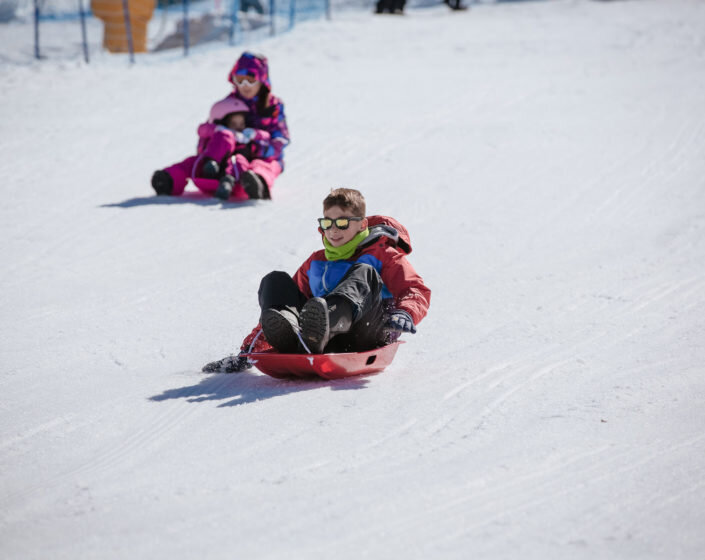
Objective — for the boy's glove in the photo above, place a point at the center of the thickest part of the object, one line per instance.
(229, 364)
(401, 321)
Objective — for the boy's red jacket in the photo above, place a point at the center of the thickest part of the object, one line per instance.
(385, 248)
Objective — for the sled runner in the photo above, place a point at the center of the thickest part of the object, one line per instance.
(327, 366)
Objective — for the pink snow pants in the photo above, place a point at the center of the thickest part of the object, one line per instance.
(220, 145)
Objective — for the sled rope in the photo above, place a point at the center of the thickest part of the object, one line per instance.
(254, 340)
(301, 340)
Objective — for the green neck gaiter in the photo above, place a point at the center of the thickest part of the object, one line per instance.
(344, 251)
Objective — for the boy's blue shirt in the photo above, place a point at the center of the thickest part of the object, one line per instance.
(325, 275)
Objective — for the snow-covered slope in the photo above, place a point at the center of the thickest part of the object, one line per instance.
(548, 161)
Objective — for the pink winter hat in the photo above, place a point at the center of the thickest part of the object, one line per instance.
(253, 65)
(226, 106)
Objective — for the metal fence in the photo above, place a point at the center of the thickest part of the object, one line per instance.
(68, 29)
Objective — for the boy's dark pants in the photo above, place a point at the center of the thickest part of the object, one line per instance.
(361, 287)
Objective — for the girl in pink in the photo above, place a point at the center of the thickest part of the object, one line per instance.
(230, 162)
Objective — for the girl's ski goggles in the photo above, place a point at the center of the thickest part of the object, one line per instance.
(245, 81)
(340, 223)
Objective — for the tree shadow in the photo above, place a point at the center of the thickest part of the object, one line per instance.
(242, 388)
(198, 198)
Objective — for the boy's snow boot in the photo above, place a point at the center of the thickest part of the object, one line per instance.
(340, 314)
(254, 185)
(210, 169)
(315, 324)
(162, 183)
(280, 327)
(225, 187)
(321, 319)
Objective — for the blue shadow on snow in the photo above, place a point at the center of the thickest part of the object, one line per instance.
(243, 388)
(186, 198)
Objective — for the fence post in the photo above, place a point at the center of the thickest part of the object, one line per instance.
(36, 30)
(329, 15)
(128, 29)
(233, 20)
(292, 13)
(84, 37)
(187, 37)
(272, 8)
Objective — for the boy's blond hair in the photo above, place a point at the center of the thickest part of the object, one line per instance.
(347, 199)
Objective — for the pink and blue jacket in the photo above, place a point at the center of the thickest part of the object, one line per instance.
(266, 110)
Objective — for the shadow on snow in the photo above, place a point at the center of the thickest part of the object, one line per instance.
(186, 198)
(242, 388)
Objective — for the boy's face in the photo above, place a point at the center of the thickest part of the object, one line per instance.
(338, 237)
(235, 121)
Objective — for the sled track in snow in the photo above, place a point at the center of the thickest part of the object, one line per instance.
(153, 431)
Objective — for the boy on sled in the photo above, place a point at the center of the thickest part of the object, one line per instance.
(357, 293)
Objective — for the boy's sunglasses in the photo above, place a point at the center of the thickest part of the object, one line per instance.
(340, 223)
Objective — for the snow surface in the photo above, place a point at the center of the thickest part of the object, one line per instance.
(548, 159)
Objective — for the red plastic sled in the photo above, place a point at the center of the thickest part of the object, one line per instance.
(328, 366)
